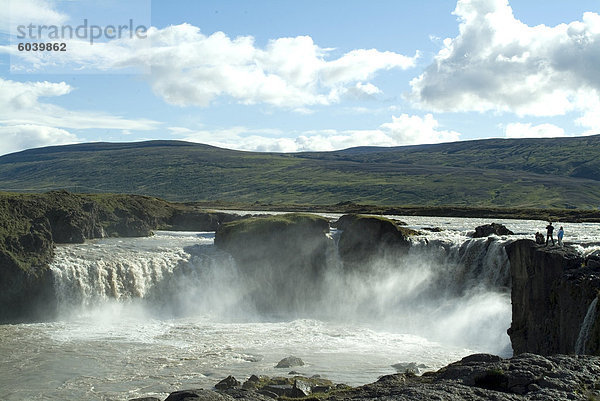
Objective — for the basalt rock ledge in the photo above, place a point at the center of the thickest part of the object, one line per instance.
(553, 300)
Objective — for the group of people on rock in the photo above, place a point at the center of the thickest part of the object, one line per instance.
(539, 237)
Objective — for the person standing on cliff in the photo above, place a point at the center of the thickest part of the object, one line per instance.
(549, 230)
(560, 235)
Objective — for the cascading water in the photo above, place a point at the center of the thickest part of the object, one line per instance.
(442, 290)
(586, 326)
(101, 275)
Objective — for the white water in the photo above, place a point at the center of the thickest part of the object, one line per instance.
(586, 326)
(148, 316)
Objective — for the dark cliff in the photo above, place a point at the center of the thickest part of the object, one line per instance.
(552, 290)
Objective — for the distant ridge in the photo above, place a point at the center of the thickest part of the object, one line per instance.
(548, 172)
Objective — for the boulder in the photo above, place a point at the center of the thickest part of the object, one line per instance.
(302, 387)
(251, 383)
(227, 383)
(289, 362)
(491, 229)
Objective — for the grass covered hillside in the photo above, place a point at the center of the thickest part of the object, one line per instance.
(532, 173)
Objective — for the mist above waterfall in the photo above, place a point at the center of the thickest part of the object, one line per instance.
(455, 293)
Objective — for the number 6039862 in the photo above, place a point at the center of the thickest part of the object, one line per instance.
(42, 46)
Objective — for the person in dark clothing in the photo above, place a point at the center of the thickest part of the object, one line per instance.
(549, 230)
(539, 238)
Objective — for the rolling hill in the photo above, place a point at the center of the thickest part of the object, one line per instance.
(534, 173)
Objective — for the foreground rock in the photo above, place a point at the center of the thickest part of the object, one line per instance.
(487, 377)
(491, 229)
(553, 290)
(227, 383)
(476, 377)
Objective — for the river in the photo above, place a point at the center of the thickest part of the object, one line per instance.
(148, 316)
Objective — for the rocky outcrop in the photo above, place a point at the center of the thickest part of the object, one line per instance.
(282, 258)
(365, 238)
(491, 229)
(478, 377)
(552, 290)
(274, 237)
(488, 377)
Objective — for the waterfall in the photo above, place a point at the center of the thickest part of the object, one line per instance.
(450, 289)
(85, 276)
(89, 274)
(586, 326)
(464, 266)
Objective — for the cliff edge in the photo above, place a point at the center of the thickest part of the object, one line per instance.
(554, 297)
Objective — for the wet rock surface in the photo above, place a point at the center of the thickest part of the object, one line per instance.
(227, 383)
(289, 362)
(487, 377)
(476, 377)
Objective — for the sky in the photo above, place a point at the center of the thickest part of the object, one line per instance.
(290, 76)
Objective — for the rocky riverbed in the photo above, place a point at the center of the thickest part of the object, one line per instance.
(476, 377)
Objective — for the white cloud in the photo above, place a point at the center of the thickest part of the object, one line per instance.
(25, 12)
(362, 64)
(26, 121)
(499, 63)
(20, 104)
(410, 130)
(526, 130)
(24, 136)
(187, 67)
(402, 130)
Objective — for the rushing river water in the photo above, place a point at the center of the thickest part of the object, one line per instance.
(148, 316)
